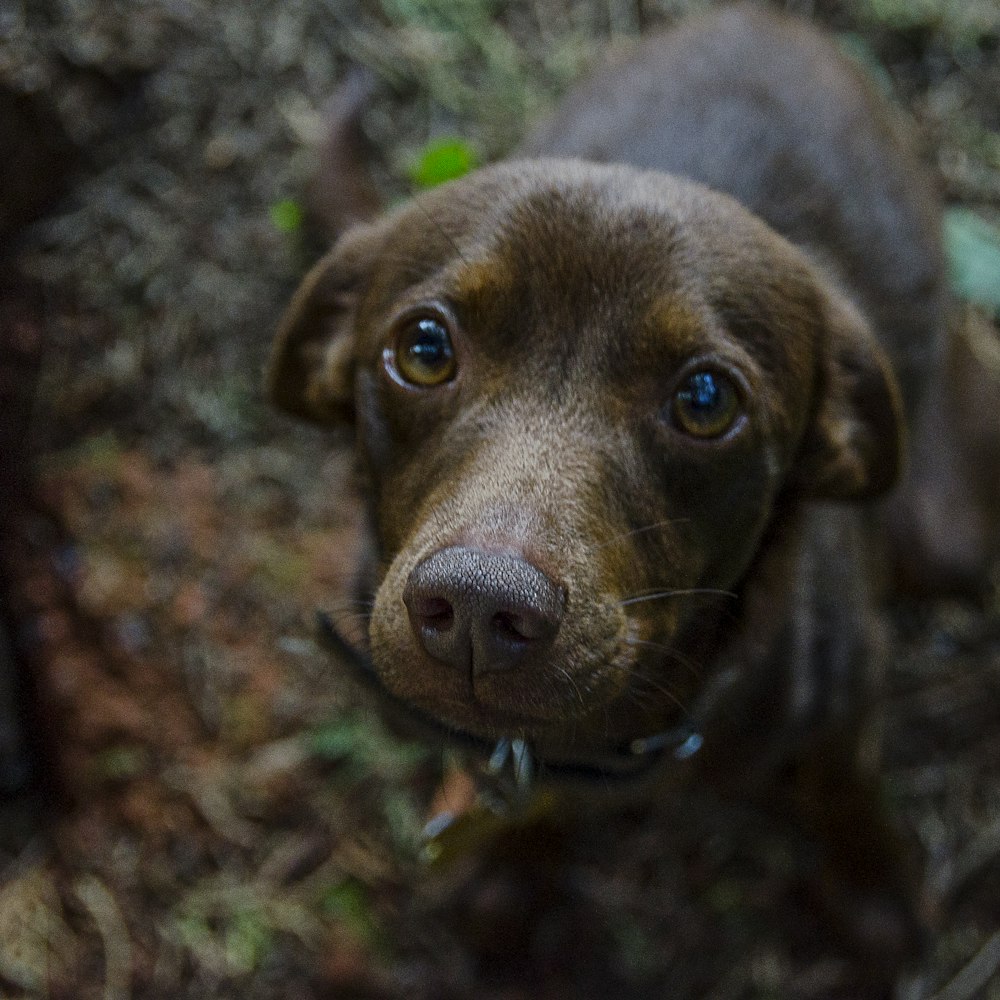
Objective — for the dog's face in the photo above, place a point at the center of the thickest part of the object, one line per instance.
(580, 394)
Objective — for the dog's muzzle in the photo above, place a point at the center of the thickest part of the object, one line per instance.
(512, 762)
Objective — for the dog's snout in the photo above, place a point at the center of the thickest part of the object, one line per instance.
(482, 611)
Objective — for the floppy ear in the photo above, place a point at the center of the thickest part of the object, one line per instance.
(853, 448)
(311, 369)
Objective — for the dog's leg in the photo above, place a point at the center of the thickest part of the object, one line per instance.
(866, 880)
(810, 720)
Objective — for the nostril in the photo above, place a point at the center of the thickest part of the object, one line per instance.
(509, 626)
(522, 626)
(433, 612)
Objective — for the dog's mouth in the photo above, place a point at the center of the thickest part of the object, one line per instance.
(514, 760)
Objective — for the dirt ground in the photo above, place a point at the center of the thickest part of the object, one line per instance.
(214, 812)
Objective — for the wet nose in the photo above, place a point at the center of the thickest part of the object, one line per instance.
(482, 611)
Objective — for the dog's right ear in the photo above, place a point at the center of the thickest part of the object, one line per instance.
(310, 373)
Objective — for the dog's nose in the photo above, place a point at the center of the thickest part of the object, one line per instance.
(482, 611)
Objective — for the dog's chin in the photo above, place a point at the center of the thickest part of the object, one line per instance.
(564, 714)
(492, 706)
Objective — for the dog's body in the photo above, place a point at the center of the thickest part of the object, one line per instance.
(614, 427)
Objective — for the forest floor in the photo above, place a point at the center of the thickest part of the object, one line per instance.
(220, 815)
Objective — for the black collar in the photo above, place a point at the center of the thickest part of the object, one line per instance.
(512, 762)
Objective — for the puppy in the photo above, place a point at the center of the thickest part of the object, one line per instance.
(622, 408)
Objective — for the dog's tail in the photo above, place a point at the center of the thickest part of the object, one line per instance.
(343, 192)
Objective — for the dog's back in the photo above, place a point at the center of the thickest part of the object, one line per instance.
(765, 109)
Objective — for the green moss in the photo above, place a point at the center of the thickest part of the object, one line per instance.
(442, 160)
(287, 216)
(348, 903)
(119, 763)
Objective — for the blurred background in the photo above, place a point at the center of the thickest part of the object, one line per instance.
(194, 804)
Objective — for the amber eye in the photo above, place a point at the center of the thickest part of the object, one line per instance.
(424, 352)
(706, 405)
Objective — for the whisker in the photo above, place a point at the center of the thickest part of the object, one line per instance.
(359, 609)
(643, 697)
(572, 683)
(692, 667)
(352, 603)
(689, 592)
(639, 531)
(345, 616)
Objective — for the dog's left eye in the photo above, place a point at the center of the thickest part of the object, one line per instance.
(424, 352)
(706, 405)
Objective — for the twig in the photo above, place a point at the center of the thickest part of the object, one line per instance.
(101, 905)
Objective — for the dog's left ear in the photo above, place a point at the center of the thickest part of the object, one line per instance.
(310, 373)
(853, 448)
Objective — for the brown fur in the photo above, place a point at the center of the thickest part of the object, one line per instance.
(577, 296)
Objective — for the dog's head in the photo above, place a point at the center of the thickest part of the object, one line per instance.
(581, 394)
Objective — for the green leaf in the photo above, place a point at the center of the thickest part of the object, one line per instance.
(342, 739)
(973, 248)
(248, 940)
(349, 904)
(442, 160)
(119, 763)
(358, 741)
(287, 215)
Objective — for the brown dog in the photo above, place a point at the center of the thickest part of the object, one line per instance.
(617, 432)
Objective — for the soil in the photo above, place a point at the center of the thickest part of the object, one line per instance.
(196, 801)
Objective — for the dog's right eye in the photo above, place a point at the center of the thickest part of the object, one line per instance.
(424, 353)
(706, 405)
